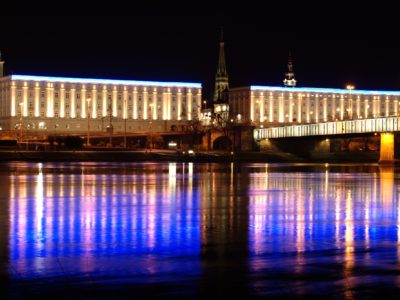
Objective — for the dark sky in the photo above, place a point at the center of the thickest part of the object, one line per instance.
(332, 42)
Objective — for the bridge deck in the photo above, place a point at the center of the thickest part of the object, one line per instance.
(382, 124)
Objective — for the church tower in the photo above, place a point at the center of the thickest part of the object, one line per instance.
(289, 80)
(221, 77)
(1, 66)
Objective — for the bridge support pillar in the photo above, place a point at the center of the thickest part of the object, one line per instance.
(387, 148)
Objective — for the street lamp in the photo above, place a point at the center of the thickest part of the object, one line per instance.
(88, 120)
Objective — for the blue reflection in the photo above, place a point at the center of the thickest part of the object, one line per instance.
(92, 223)
(315, 224)
(240, 229)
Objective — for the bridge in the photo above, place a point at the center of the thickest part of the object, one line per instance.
(385, 126)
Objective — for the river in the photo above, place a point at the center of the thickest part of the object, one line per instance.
(118, 230)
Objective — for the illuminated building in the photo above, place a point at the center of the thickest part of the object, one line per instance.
(64, 105)
(271, 105)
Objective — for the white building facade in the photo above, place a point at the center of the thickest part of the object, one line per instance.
(271, 106)
(68, 105)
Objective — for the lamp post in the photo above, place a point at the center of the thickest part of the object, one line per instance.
(88, 121)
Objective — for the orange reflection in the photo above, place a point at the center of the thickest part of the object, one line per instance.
(349, 246)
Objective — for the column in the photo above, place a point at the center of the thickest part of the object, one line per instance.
(13, 110)
(114, 102)
(387, 148)
(341, 106)
(290, 108)
(145, 104)
(261, 99)
(135, 103)
(169, 104)
(50, 100)
(83, 102)
(189, 103)
(164, 104)
(154, 102)
(105, 104)
(73, 104)
(125, 103)
(198, 98)
(179, 104)
(387, 106)
(251, 106)
(271, 107)
(37, 104)
(62, 101)
(94, 102)
(299, 104)
(281, 109)
(25, 99)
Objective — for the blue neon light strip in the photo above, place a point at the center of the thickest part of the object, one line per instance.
(321, 90)
(105, 81)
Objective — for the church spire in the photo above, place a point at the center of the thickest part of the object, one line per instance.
(289, 80)
(221, 77)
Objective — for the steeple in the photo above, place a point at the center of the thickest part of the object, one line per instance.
(1, 66)
(221, 77)
(289, 80)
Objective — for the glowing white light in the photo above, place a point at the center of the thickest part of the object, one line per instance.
(104, 81)
(322, 90)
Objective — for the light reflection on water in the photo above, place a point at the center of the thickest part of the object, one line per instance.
(250, 229)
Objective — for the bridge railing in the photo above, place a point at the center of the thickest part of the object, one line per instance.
(384, 124)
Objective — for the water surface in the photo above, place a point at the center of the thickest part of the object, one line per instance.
(118, 230)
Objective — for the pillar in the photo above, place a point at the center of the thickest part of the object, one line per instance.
(387, 148)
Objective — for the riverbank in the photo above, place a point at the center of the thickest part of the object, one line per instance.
(165, 155)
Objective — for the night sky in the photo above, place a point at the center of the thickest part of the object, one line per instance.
(332, 43)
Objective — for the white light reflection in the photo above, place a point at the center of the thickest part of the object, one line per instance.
(349, 246)
(39, 203)
(172, 179)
